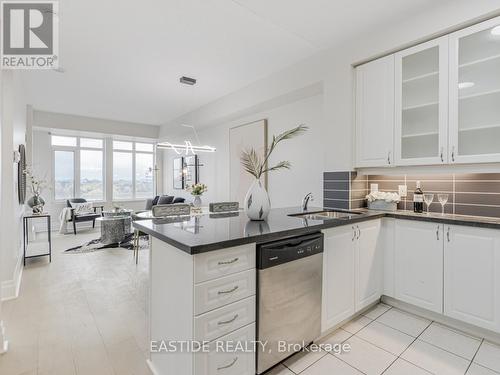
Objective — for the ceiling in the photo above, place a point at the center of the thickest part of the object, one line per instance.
(123, 59)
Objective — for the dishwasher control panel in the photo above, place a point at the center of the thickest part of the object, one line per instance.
(283, 251)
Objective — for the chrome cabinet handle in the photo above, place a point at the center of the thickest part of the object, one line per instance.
(222, 322)
(353, 233)
(222, 263)
(437, 233)
(228, 291)
(442, 155)
(453, 153)
(389, 158)
(229, 365)
(359, 232)
(448, 234)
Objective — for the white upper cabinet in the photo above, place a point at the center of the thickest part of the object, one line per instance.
(375, 113)
(472, 276)
(475, 93)
(421, 104)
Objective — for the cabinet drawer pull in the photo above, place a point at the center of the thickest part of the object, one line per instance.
(222, 322)
(229, 365)
(437, 233)
(448, 234)
(453, 153)
(353, 233)
(359, 232)
(389, 158)
(442, 155)
(228, 291)
(222, 263)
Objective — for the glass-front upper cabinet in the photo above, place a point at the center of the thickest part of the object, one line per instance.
(475, 93)
(421, 104)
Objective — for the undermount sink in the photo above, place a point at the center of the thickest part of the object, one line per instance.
(326, 215)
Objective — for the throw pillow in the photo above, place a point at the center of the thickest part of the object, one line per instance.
(178, 200)
(165, 199)
(155, 200)
(83, 208)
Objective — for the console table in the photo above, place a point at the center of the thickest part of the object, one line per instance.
(26, 219)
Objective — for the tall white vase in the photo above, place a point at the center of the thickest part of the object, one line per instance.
(257, 203)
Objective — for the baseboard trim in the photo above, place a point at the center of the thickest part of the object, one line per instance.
(10, 288)
(450, 322)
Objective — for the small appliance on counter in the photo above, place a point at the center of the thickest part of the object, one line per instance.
(289, 284)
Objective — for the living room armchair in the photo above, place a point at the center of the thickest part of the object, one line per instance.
(82, 217)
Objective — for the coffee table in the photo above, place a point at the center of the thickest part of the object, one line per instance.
(114, 229)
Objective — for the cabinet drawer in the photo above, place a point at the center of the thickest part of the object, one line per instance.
(219, 322)
(219, 292)
(214, 264)
(227, 362)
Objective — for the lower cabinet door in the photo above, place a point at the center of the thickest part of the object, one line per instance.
(419, 264)
(369, 257)
(472, 276)
(222, 359)
(338, 276)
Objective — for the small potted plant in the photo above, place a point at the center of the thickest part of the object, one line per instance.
(36, 202)
(197, 190)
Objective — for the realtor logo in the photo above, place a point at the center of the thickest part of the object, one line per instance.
(29, 37)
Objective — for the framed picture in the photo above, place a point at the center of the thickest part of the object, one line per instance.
(244, 137)
(177, 173)
(191, 166)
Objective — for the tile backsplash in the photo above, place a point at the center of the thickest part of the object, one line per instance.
(475, 194)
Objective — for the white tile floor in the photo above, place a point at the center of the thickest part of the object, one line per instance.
(86, 314)
(388, 341)
(82, 314)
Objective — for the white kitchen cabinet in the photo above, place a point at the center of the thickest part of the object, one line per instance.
(338, 276)
(352, 271)
(387, 244)
(375, 113)
(368, 262)
(419, 264)
(472, 276)
(474, 89)
(421, 104)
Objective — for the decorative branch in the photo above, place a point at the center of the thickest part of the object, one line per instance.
(257, 166)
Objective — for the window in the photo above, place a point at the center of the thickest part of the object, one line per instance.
(58, 140)
(122, 175)
(78, 168)
(64, 174)
(133, 166)
(91, 175)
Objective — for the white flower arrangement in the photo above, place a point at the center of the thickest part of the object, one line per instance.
(383, 196)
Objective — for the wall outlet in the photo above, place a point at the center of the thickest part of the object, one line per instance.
(403, 191)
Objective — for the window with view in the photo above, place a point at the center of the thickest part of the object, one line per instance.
(78, 168)
(133, 164)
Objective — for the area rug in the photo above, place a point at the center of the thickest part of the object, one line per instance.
(96, 244)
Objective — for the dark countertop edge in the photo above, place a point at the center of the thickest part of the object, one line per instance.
(268, 237)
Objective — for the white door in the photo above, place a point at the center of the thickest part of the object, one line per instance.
(475, 93)
(338, 276)
(419, 264)
(375, 113)
(421, 104)
(369, 257)
(472, 276)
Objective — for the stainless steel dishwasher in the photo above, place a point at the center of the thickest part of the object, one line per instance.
(289, 296)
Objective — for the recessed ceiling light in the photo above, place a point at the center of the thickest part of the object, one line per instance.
(495, 30)
(465, 85)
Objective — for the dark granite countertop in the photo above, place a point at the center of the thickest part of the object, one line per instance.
(198, 234)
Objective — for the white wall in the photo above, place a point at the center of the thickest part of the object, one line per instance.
(13, 133)
(306, 153)
(334, 69)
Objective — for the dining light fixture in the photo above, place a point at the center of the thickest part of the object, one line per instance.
(185, 148)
